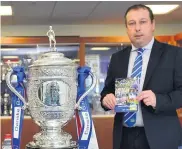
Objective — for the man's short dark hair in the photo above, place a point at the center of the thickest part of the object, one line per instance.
(139, 6)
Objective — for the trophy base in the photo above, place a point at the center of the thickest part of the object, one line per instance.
(34, 147)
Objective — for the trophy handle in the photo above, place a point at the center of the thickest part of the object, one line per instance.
(8, 82)
(94, 81)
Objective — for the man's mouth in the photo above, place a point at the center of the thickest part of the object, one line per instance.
(138, 36)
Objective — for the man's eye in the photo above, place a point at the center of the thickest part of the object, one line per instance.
(131, 23)
(142, 22)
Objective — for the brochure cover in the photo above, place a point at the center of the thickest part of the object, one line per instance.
(126, 91)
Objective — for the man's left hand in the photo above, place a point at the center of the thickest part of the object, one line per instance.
(148, 97)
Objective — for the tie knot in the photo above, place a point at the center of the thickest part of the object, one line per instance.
(140, 51)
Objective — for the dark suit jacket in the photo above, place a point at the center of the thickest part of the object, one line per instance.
(164, 78)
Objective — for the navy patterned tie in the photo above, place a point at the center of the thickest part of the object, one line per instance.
(130, 117)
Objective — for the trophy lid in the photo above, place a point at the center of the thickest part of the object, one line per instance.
(52, 57)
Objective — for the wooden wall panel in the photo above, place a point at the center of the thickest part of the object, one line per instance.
(82, 53)
(37, 40)
(178, 36)
(73, 39)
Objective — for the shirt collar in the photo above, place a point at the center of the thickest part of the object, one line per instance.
(147, 47)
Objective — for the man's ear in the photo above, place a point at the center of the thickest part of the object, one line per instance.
(153, 25)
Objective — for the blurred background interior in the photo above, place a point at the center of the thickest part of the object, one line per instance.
(88, 32)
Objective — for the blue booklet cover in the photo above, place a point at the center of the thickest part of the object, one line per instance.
(126, 91)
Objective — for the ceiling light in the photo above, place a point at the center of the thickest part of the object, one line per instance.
(100, 48)
(5, 10)
(8, 49)
(162, 9)
(10, 57)
(76, 60)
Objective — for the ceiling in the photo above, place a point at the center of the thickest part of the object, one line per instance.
(79, 12)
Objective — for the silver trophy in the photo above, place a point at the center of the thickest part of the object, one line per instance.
(52, 92)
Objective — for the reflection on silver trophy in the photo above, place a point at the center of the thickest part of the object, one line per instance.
(52, 92)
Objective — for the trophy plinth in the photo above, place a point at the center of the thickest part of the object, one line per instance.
(52, 139)
(31, 147)
(27, 147)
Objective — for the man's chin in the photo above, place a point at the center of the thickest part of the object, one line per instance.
(138, 44)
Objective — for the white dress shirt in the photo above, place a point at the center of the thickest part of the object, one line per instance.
(146, 55)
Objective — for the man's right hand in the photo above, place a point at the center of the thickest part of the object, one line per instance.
(109, 101)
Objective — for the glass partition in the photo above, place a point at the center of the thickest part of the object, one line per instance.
(97, 56)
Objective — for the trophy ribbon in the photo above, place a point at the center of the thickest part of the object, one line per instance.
(17, 110)
(85, 128)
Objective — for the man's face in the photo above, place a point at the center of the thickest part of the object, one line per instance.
(139, 27)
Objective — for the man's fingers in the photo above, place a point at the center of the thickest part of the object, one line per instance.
(113, 101)
(142, 95)
(147, 102)
(148, 98)
(107, 104)
(109, 101)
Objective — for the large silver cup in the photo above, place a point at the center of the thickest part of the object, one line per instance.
(52, 92)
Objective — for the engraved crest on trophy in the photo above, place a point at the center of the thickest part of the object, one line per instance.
(53, 93)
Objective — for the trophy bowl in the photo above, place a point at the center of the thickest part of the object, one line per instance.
(51, 93)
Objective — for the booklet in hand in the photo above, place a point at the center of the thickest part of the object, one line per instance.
(126, 91)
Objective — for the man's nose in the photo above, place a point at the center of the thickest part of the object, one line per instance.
(137, 27)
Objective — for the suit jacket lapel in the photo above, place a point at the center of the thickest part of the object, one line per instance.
(155, 56)
(125, 61)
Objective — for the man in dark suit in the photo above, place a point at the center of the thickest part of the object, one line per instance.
(156, 124)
